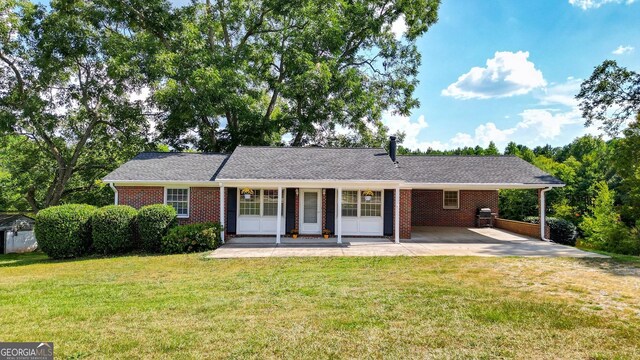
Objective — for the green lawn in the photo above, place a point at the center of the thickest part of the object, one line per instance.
(185, 306)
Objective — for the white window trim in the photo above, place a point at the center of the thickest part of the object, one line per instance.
(359, 203)
(260, 195)
(381, 204)
(188, 199)
(457, 207)
(282, 199)
(239, 198)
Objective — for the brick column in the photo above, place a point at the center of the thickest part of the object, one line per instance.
(405, 213)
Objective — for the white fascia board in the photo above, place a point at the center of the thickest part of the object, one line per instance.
(471, 186)
(165, 183)
(312, 184)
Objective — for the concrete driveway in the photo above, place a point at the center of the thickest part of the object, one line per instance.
(425, 241)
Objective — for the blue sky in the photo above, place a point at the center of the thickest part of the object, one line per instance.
(528, 59)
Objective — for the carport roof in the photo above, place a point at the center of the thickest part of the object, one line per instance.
(441, 169)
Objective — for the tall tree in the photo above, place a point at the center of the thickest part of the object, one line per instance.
(66, 113)
(610, 96)
(248, 72)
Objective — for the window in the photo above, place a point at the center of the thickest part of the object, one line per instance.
(451, 199)
(350, 203)
(270, 202)
(250, 205)
(371, 207)
(179, 199)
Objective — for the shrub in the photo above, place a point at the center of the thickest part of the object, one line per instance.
(113, 229)
(64, 231)
(561, 230)
(191, 238)
(153, 223)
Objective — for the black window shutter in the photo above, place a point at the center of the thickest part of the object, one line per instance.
(290, 219)
(232, 206)
(388, 212)
(331, 209)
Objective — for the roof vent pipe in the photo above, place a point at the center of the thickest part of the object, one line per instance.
(392, 148)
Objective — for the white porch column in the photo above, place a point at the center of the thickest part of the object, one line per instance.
(397, 217)
(339, 224)
(279, 215)
(222, 213)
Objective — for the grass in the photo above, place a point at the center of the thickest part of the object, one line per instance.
(185, 306)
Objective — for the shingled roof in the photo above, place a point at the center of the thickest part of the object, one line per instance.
(309, 163)
(439, 169)
(315, 163)
(169, 166)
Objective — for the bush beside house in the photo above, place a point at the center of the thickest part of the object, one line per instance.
(64, 231)
(154, 221)
(192, 238)
(562, 231)
(74, 230)
(114, 229)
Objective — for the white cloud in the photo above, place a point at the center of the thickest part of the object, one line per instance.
(622, 50)
(594, 4)
(535, 126)
(399, 27)
(561, 93)
(506, 74)
(398, 123)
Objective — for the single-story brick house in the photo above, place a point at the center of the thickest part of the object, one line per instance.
(349, 191)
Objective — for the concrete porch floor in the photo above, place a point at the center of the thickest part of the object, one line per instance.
(425, 241)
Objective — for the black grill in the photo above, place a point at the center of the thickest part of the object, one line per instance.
(484, 217)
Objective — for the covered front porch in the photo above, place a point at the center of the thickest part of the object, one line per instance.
(266, 212)
(425, 241)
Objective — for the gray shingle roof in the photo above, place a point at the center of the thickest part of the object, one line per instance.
(173, 166)
(309, 163)
(472, 170)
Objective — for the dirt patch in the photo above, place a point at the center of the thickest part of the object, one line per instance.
(597, 285)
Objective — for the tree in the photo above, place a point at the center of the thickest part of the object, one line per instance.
(627, 154)
(492, 149)
(66, 114)
(229, 72)
(611, 96)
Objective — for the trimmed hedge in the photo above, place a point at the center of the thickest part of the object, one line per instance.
(562, 231)
(154, 221)
(64, 231)
(191, 238)
(113, 229)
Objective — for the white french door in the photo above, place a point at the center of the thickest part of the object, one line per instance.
(310, 211)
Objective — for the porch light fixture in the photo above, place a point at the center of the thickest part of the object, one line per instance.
(368, 194)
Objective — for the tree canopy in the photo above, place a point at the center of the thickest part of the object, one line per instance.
(611, 96)
(229, 72)
(66, 114)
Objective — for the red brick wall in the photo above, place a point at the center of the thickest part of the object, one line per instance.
(204, 202)
(139, 196)
(427, 208)
(204, 205)
(522, 228)
(406, 201)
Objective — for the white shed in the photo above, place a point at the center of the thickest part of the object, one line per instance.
(16, 234)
